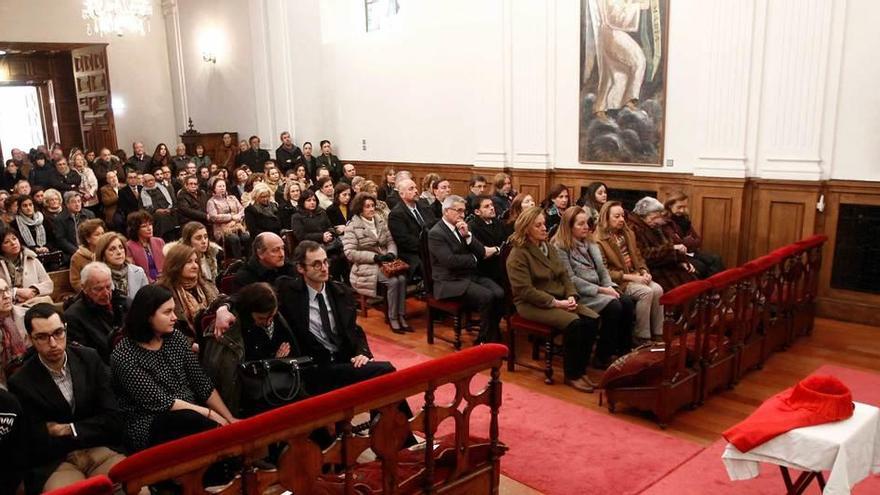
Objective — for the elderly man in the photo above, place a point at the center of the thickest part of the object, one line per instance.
(64, 178)
(106, 162)
(66, 394)
(267, 262)
(67, 221)
(98, 313)
(348, 173)
(407, 220)
(180, 158)
(669, 263)
(158, 200)
(140, 160)
(455, 254)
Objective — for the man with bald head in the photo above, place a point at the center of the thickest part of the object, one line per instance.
(406, 222)
(140, 160)
(267, 262)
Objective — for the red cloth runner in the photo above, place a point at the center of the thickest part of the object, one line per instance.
(814, 400)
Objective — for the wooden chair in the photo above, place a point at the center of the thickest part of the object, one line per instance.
(671, 383)
(721, 333)
(544, 334)
(453, 307)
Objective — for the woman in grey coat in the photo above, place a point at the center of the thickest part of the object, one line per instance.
(583, 260)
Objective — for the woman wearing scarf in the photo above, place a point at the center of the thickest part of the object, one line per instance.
(192, 293)
(21, 269)
(157, 200)
(127, 277)
(88, 184)
(31, 227)
(13, 343)
(195, 235)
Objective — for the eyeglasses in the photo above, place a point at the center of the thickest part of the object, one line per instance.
(7, 292)
(458, 210)
(317, 265)
(43, 338)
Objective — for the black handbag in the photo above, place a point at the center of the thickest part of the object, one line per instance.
(273, 382)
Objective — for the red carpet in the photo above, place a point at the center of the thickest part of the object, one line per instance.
(705, 473)
(561, 448)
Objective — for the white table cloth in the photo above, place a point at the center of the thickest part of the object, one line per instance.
(849, 449)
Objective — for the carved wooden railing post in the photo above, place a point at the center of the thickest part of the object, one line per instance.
(428, 411)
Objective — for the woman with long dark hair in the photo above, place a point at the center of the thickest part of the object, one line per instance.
(554, 205)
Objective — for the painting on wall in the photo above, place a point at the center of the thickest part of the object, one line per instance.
(623, 81)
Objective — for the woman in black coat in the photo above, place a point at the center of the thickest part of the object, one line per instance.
(311, 222)
(262, 215)
(338, 211)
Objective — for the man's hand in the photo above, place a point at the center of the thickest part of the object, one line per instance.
(224, 320)
(58, 429)
(359, 360)
(492, 251)
(328, 237)
(283, 350)
(462, 228)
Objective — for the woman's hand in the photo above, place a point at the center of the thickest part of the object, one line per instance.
(25, 294)
(681, 248)
(224, 320)
(567, 304)
(283, 350)
(609, 291)
(220, 420)
(340, 229)
(41, 250)
(328, 236)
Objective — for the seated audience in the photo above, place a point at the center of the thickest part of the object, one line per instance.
(254, 156)
(348, 174)
(289, 204)
(680, 230)
(330, 161)
(31, 227)
(192, 202)
(273, 180)
(66, 395)
(128, 278)
(63, 178)
(95, 318)
(454, 256)
(312, 223)
(668, 262)
(22, 188)
(14, 344)
(503, 195)
(477, 187)
(107, 162)
(41, 173)
(109, 193)
(356, 183)
(338, 211)
(407, 221)
(157, 199)
(162, 389)
(10, 176)
(191, 291)
(195, 235)
(487, 229)
(554, 206)
(629, 271)
(160, 157)
(367, 244)
(582, 259)
(10, 209)
(88, 183)
(67, 222)
(388, 192)
(303, 177)
(262, 215)
(21, 269)
(267, 263)
(201, 159)
(130, 196)
(226, 214)
(441, 189)
(240, 177)
(543, 292)
(180, 158)
(324, 192)
(382, 208)
(520, 203)
(428, 182)
(594, 197)
(88, 233)
(143, 248)
(247, 196)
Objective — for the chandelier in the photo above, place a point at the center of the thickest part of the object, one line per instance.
(117, 16)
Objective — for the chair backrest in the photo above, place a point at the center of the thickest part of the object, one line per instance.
(684, 313)
(425, 255)
(724, 312)
(228, 285)
(290, 242)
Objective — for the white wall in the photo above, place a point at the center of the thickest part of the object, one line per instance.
(755, 87)
(139, 73)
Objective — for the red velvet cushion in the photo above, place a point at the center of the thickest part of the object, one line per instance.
(530, 326)
(685, 293)
(410, 469)
(760, 264)
(642, 366)
(315, 408)
(813, 240)
(96, 485)
(727, 277)
(451, 306)
(787, 251)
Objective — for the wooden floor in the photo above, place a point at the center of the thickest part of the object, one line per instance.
(833, 342)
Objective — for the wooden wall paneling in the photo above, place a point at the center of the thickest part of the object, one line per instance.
(533, 182)
(458, 175)
(716, 209)
(783, 212)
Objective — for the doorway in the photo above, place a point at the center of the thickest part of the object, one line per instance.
(21, 119)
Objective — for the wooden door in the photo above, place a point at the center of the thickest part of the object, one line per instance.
(93, 98)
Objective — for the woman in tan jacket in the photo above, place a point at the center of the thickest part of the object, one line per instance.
(544, 293)
(629, 271)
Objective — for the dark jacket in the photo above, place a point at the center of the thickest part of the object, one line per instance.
(502, 203)
(64, 183)
(253, 271)
(141, 165)
(39, 176)
(128, 201)
(436, 207)
(192, 207)
(333, 165)
(100, 168)
(680, 230)
(311, 164)
(334, 213)
(287, 160)
(406, 230)
(294, 306)
(65, 229)
(389, 195)
(660, 255)
(95, 416)
(490, 235)
(310, 225)
(255, 160)
(453, 263)
(94, 326)
(259, 219)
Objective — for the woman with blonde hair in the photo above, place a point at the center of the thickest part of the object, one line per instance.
(192, 293)
(629, 271)
(583, 259)
(543, 292)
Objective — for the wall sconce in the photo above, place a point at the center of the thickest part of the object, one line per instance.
(209, 57)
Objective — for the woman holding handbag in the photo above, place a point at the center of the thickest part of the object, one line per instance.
(369, 247)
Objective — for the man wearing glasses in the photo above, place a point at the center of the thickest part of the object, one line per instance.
(455, 254)
(66, 395)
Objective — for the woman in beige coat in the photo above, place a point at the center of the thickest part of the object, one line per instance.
(544, 293)
(367, 243)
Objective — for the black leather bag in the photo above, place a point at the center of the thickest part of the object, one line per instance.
(273, 382)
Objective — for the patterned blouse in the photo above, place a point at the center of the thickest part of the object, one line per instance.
(147, 383)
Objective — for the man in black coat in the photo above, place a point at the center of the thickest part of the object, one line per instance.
(330, 161)
(288, 155)
(455, 254)
(129, 196)
(487, 229)
(13, 441)
(68, 221)
(140, 161)
(406, 222)
(98, 312)
(255, 158)
(192, 202)
(66, 394)
(64, 178)
(40, 172)
(267, 263)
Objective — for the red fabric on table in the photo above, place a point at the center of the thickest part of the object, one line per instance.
(816, 399)
(96, 485)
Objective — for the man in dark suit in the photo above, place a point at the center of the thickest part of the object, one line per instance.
(455, 254)
(129, 196)
(67, 222)
(406, 222)
(66, 394)
(288, 155)
(487, 229)
(255, 158)
(98, 312)
(140, 160)
(329, 160)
